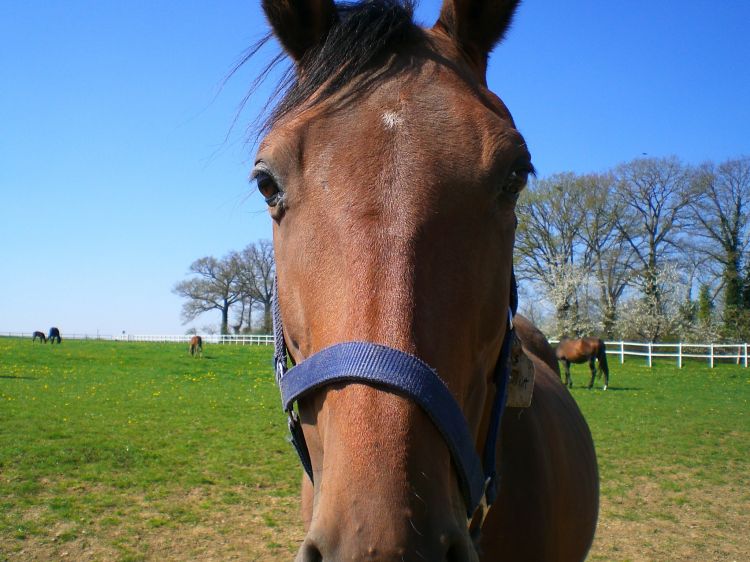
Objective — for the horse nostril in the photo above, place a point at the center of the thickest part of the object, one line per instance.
(309, 553)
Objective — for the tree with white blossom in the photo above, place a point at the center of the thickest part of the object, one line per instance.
(658, 312)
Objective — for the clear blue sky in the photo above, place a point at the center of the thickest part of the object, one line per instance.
(118, 167)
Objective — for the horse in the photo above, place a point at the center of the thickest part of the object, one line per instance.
(40, 335)
(54, 334)
(391, 174)
(580, 351)
(196, 346)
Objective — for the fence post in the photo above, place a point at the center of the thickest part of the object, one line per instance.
(711, 360)
(622, 352)
(745, 355)
(649, 354)
(679, 355)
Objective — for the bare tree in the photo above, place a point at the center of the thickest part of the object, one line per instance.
(606, 238)
(215, 286)
(720, 212)
(549, 248)
(606, 253)
(653, 195)
(257, 274)
(244, 317)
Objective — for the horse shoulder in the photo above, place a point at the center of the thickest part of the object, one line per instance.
(548, 500)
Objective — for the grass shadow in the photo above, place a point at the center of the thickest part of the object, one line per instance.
(623, 388)
(611, 388)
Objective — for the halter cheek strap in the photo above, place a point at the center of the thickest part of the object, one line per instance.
(379, 365)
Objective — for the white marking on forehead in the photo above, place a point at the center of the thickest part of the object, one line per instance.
(391, 119)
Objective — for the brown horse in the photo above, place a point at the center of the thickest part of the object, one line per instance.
(580, 351)
(196, 346)
(40, 335)
(391, 173)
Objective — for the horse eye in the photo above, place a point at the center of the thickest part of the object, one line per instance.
(516, 181)
(519, 176)
(267, 187)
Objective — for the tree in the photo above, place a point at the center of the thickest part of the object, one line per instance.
(257, 274)
(570, 284)
(550, 215)
(659, 313)
(746, 284)
(705, 306)
(606, 253)
(245, 315)
(653, 195)
(720, 213)
(215, 286)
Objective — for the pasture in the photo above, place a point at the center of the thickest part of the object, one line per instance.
(137, 451)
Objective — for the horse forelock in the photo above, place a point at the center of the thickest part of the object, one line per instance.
(358, 44)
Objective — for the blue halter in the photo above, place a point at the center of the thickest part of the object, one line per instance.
(379, 365)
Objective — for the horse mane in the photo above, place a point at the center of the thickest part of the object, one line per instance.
(359, 42)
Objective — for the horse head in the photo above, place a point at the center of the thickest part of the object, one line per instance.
(391, 174)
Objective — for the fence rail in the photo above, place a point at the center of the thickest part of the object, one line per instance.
(712, 352)
(233, 339)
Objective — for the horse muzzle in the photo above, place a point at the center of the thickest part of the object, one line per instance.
(385, 486)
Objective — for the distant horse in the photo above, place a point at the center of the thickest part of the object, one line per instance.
(54, 334)
(580, 351)
(196, 346)
(391, 173)
(40, 335)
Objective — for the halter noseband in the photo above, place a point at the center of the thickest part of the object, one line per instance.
(379, 365)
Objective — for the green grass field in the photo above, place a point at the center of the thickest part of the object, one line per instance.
(136, 451)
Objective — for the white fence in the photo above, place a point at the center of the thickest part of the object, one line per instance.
(245, 339)
(712, 352)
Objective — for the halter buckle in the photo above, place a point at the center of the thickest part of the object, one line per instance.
(280, 369)
(480, 513)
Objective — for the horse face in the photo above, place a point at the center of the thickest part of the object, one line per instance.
(393, 206)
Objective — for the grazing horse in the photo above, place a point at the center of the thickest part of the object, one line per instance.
(580, 351)
(196, 346)
(40, 335)
(54, 334)
(391, 173)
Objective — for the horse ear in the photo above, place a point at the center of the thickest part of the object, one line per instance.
(300, 24)
(477, 25)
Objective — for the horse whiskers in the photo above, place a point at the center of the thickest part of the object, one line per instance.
(416, 495)
(411, 522)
